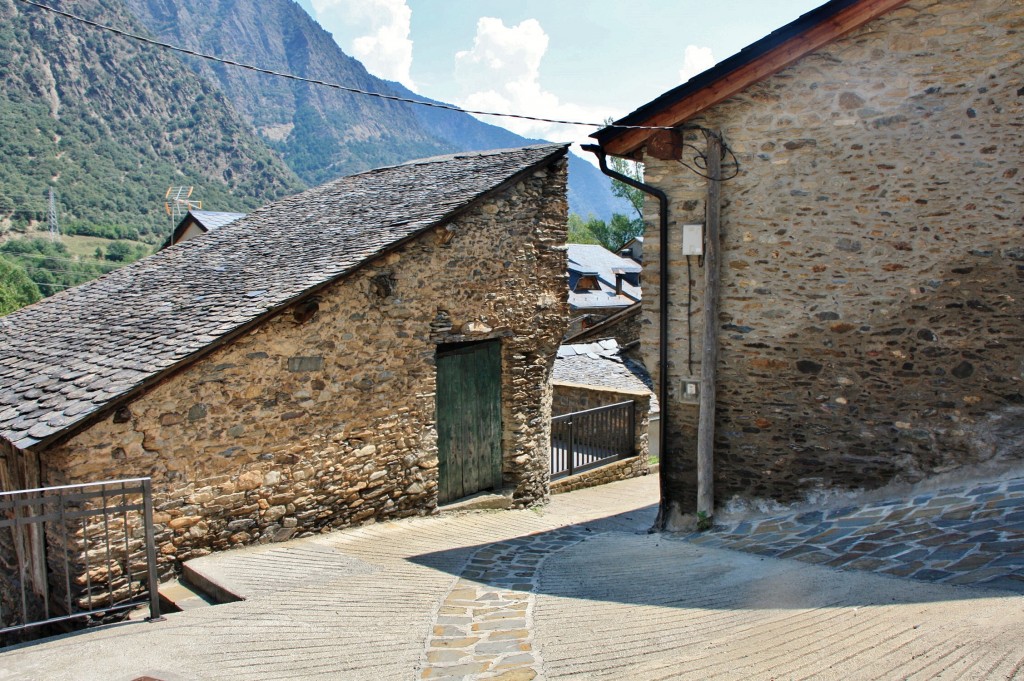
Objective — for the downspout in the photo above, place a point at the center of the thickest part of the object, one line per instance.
(597, 150)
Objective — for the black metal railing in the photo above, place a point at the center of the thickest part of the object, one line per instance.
(76, 552)
(587, 439)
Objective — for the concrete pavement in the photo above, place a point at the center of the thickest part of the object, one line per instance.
(574, 590)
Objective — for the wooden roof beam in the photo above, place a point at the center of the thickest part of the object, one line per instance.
(768, 64)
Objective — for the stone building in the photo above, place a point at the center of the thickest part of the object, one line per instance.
(199, 222)
(601, 284)
(599, 374)
(872, 267)
(623, 326)
(364, 350)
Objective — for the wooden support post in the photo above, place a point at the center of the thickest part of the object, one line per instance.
(709, 351)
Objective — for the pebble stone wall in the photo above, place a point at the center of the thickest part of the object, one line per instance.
(873, 262)
(301, 426)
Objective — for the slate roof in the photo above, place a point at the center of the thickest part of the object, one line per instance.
(600, 364)
(84, 350)
(585, 259)
(211, 220)
(206, 220)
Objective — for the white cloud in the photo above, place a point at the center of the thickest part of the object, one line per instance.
(502, 73)
(695, 60)
(383, 44)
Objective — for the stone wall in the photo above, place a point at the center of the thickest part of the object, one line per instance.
(303, 425)
(620, 470)
(873, 268)
(570, 397)
(624, 326)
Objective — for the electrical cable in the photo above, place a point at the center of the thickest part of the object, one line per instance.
(336, 86)
(37, 254)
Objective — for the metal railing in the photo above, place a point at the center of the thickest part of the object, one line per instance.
(588, 439)
(76, 552)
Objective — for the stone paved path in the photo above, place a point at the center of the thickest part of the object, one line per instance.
(972, 535)
(484, 626)
(576, 590)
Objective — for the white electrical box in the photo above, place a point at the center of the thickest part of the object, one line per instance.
(689, 390)
(693, 239)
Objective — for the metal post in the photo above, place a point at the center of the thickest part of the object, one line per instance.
(632, 428)
(572, 447)
(154, 593)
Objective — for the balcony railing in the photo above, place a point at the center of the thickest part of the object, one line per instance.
(588, 439)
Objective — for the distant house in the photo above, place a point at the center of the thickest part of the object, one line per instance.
(199, 222)
(597, 374)
(623, 326)
(869, 327)
(601, 284)
(633, 249)
(605, 405)
(367, 349)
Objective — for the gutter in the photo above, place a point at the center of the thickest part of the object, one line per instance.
(596, 149)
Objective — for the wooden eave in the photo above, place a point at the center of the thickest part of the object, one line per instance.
(738, 77)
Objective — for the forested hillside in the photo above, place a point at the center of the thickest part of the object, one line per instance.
(111, 125)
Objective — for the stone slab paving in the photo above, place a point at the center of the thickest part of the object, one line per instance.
(484, 627)
(972, 535)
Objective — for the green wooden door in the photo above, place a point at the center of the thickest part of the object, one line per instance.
(468, 419)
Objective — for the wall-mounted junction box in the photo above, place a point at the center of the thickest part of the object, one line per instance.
(693, 239)
(689, 390)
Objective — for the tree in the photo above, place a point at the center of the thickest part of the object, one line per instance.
(16, 289)
(118, 251)
(632, 170)
(612, 235)
(580, 232)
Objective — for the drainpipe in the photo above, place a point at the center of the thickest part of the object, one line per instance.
(597, 150)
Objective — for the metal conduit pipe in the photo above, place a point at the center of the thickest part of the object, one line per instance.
(597, 150)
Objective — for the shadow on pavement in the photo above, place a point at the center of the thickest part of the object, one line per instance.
(614, 559)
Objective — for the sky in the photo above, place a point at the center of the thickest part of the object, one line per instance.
(569, 59)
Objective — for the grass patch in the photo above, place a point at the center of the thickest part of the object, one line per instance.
(85, 246)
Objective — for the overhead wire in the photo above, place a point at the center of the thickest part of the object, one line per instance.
(336, 86)
(37, 254)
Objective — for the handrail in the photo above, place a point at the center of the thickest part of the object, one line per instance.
(593, 409)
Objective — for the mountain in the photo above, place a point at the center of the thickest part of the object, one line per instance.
(110, 125)
(322, 133)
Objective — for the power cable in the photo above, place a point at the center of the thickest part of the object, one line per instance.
(336, 86)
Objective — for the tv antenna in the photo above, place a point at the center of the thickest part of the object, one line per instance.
(51, 215)
(177, 203)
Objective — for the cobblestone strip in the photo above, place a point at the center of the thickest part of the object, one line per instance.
(484, 627)
(973, 535)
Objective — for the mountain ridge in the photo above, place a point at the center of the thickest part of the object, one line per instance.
(110, 125)
(323, 133)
